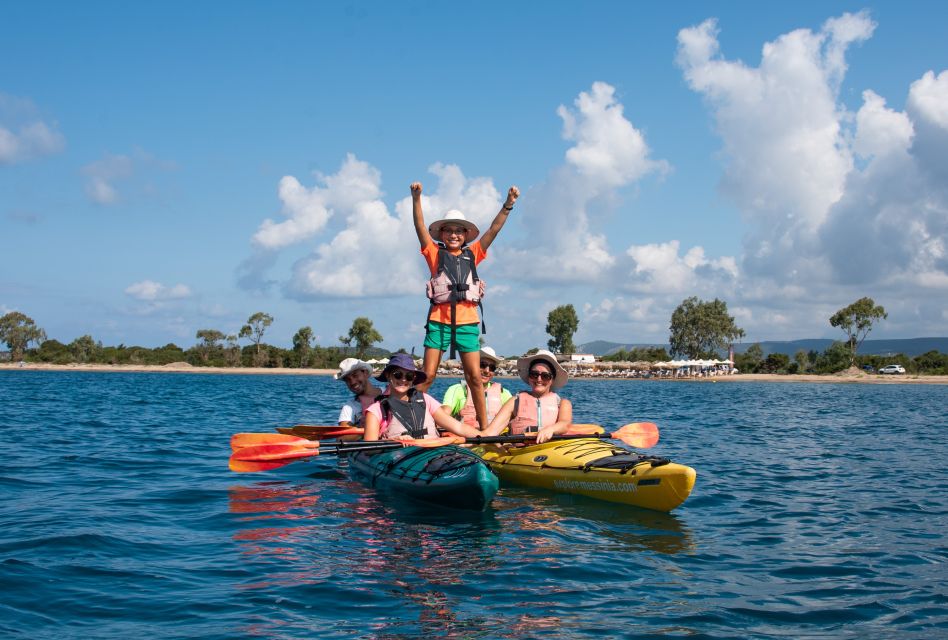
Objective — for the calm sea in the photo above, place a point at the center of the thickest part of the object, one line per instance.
(820, 511)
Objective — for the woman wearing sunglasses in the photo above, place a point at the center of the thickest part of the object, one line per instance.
(540, 410)
(406, 412)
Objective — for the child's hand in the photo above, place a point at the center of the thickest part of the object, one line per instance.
(512, 195)
(416, 190)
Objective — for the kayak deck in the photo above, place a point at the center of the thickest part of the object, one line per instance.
(446, 476)
(595, 469)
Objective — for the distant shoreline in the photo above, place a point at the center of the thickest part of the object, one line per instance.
(844, 377)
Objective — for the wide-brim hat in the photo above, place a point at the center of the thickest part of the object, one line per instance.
(523, 368)
(454, 217)
(402, 361)
(488, 354)
(351, 365)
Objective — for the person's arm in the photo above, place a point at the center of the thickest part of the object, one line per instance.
(501, 420)
(423, 236)
(563, 421)
(488, 236)
(444, 420)
(345, 416)
(454, 399)
(371, 426)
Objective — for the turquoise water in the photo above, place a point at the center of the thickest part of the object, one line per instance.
(820, 511)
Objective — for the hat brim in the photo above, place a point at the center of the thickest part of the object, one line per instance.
(523, 368)
(339, 375)
(420, 376)
(471, 230)
(487, 356)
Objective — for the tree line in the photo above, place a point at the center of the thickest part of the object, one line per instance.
(700, 330)
(697, 330)
(214, 348)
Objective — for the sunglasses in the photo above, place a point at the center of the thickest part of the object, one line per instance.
(455, 232)
(402, 375)
(487, 365)
(540, 375)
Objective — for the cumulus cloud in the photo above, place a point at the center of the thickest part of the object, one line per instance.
(149, 290)
(23, 134)
(608, 153)
(834, 198)
(659, 268)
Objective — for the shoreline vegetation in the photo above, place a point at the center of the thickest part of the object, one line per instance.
(847, 376)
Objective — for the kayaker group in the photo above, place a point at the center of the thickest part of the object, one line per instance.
(476, 406)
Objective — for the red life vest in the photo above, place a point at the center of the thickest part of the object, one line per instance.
(407, 418)
(534, 413)
(492, 394)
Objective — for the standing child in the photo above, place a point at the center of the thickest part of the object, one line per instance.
(455, 290)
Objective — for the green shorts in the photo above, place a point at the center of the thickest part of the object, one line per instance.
(467, 337)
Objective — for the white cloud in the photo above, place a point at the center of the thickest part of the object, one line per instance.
(820, 221)
(786, 156)
(23, 135)
(150, 290)
(308, 210)
(658, 268)
(609, 153)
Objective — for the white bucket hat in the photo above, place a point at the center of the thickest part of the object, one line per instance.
(560, 376)
(350, 365)
(488, 354)
(454, 217)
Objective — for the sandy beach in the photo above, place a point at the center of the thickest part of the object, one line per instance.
(183, 367)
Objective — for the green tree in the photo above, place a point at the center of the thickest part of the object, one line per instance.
(254, 329)
(85, 349)
(750, 360)
(18, 330)
(303, 346)
(210, 342)
(802, 358)
(856, 321)
(561, 324)
(364, 335)
(775, 363)
(700, 329)
(835, 358)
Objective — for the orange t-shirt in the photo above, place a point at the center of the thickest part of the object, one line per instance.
(466, 312)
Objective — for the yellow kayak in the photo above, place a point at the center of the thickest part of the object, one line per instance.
(593, 468)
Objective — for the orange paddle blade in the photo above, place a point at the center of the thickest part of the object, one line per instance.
(250, 466)
(240, 440)
(641, 435)
(275, 452)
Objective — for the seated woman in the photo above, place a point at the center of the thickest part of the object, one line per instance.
(407, 413)
(540, 410)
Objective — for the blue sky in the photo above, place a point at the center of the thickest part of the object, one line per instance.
(787, 161)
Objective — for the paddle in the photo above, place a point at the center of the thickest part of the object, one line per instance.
(263, 457)
(320, 431)
(240, 440)
(640, 435)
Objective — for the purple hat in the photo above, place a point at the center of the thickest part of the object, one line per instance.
(402, 361)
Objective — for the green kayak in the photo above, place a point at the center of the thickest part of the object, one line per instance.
(446, 476)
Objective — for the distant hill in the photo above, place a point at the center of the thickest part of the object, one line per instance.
(909, 346)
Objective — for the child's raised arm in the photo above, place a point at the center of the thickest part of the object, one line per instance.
(488, 237)
(423, 236)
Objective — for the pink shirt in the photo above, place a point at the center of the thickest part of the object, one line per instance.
(375, 408)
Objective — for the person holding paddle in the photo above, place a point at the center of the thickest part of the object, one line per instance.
(540, 410)
(407, 412)
(455, 291)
